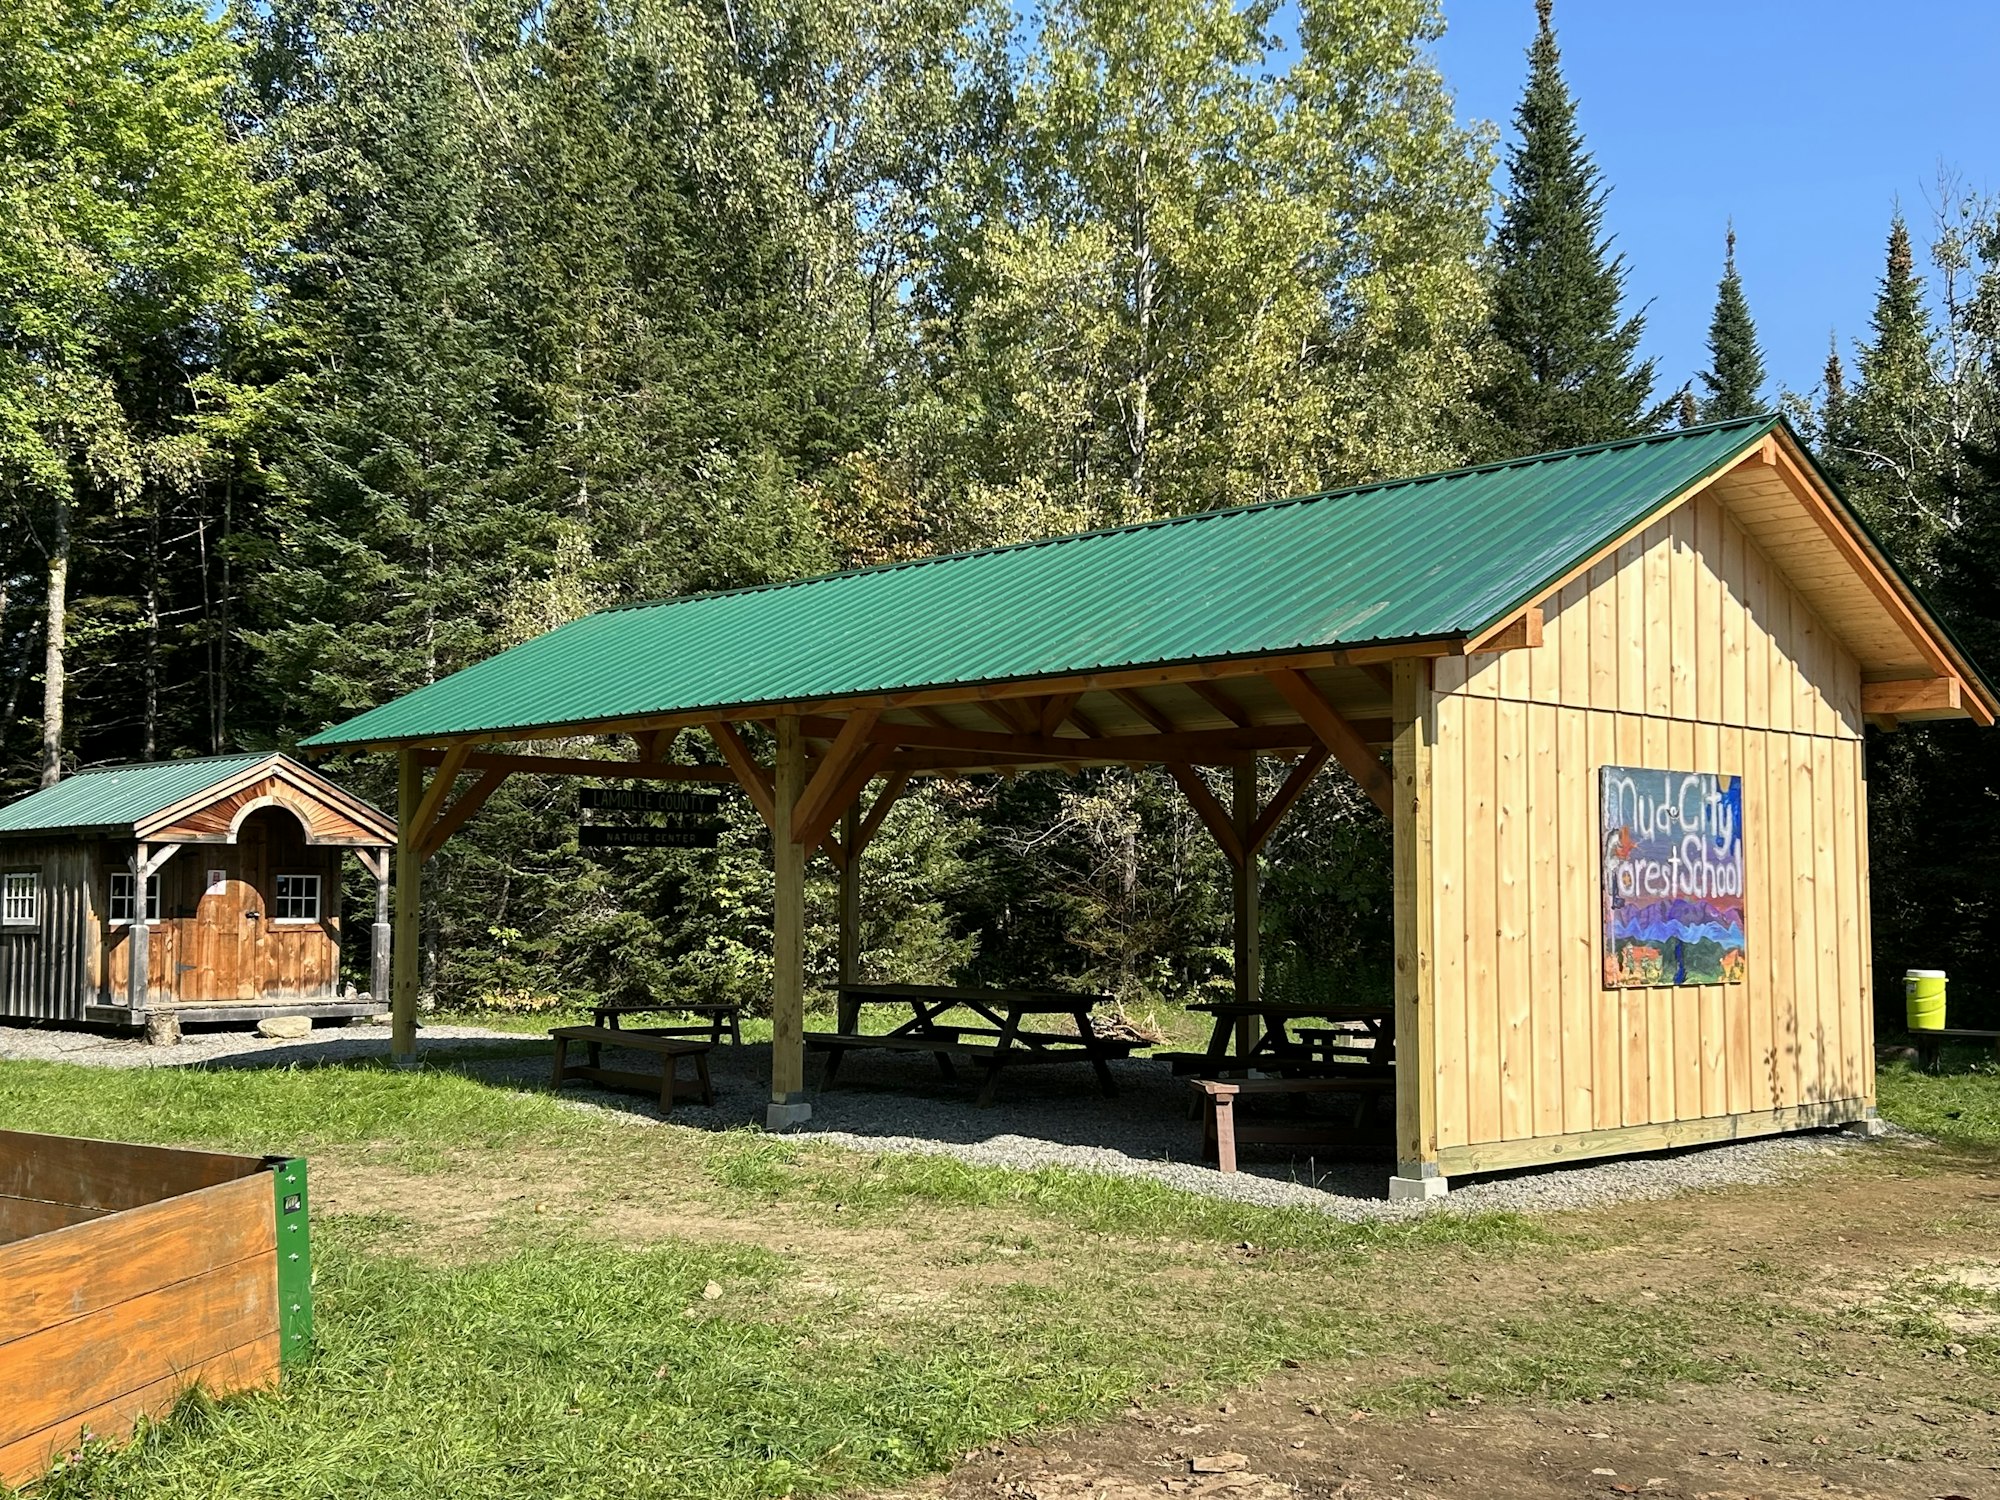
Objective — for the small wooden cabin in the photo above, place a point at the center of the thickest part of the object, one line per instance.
(237, 860)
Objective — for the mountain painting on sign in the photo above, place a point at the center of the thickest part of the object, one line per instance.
(1673, 877)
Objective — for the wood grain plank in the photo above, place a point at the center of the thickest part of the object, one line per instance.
(1577, 970)
(1544, 806)
(251, 1366)
(108, 1175)
(1608, 1040)
(1453, 833)
(83, 1363)
(1512, 818)
(113, 1258)
(1482, 923)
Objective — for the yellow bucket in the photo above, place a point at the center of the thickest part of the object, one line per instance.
(1923, 998)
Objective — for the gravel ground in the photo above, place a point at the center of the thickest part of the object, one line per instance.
(1043, 1117)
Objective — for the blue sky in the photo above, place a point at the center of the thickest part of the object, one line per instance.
(1806, 120)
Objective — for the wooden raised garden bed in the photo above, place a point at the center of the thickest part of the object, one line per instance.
(129, 1274)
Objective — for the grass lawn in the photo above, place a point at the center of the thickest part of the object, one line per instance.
(516, 1298)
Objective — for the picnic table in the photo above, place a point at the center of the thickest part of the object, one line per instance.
(718, 1016)
(1002, 1036)
(1282, 1045)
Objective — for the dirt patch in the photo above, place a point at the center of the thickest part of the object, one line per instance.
(1298, 1438)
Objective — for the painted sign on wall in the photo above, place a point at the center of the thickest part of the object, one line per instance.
(1673, 877)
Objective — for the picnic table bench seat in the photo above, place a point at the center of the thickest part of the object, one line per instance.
(717, 1016)
(999, 1039)
(1930, 1044)
(670, 1049)
(1222, 1130)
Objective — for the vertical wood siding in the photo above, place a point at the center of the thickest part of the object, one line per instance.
(49, 973)
(1684, 651)
(208, 949)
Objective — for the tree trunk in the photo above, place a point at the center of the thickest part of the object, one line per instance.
(55, 638)
(151, 733)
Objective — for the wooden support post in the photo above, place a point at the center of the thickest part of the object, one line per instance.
(850, 894)
(1416, 993)
(1249, 958)
(139, 978)
(380, 945)
(788, 936)
(138, 943)
(407, 946)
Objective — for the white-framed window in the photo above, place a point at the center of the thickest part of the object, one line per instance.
(21, 898)
(298, 899)
(121, 896)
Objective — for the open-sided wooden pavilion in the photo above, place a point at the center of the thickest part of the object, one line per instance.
(1535, 644)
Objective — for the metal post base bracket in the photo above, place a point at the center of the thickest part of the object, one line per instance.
(784, 1116)
(1403, 1189)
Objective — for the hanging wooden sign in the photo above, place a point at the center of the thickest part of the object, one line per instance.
(597, 836)
(651, 800)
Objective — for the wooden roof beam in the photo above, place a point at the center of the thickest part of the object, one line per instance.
(577, 765)
(1220, 701)
(1341, 737)
(1145, 709)
(1914, 698)
(1206, 746)
(1521, 632)
(1293, 788)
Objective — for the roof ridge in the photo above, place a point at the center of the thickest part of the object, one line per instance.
(1766, 419)
(171, 760)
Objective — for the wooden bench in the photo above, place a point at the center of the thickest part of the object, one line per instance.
(718, 1016)
(670, 1050)
(1221, 1130)
(1930, 1044)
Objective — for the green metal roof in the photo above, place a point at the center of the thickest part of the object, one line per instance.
(1443, 556)
(119, 796)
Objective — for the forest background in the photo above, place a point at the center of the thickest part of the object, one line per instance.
(343, 344)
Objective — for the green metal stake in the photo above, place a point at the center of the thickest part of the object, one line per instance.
(295, 1296)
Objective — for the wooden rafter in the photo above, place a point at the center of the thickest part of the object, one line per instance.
(1338, 735)
(932, 717)
(1145, 709)
(1056, 709)
(1220, 701)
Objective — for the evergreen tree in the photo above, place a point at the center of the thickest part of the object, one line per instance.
(1736, 365)
(1892, 448)
(1568, 368)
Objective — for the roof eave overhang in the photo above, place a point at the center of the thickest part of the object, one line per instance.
(1372, 653)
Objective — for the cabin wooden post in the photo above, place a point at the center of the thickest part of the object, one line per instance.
(850, 893)
(788, 935)
(380, 945)
(139, 943)
(1249, 958)
(405, 944)
(1417, 1173)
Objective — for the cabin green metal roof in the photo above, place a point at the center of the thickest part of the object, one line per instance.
(1442, 556)
(113, 797)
